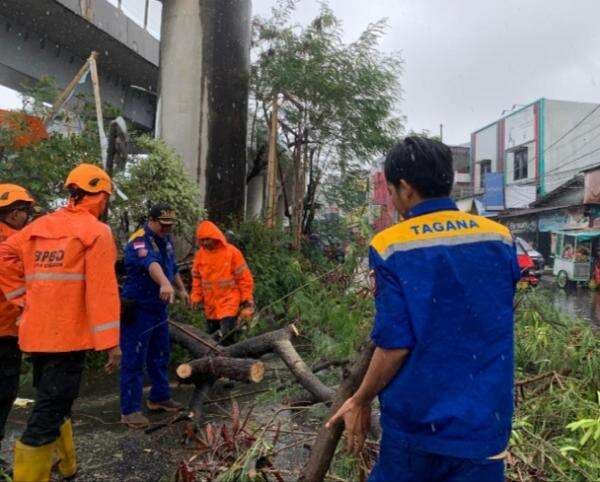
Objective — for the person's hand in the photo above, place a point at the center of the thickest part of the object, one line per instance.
(195, 305)
(167, 293)
(247, 310)
(184, 296)
(114, 359)
(357, 420)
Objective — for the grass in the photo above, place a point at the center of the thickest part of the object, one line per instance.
(548, 443)
(556, 434)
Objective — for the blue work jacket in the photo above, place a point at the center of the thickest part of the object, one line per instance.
(143, 249)
(445, 282)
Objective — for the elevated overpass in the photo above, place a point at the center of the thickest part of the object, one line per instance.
(54, 37)
(205, 57)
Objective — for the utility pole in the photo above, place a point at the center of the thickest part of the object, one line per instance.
(272, 165)
(441, 132)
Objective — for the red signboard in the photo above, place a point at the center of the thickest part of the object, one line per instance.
(387, 212)
(592, 187)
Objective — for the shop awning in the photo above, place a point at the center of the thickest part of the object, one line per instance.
(580, 234)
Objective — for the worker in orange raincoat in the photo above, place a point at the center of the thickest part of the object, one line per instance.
(15, 211)
(221, 281)
(71, 305)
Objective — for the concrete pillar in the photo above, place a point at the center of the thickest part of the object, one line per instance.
(179, 108)
(204, 72)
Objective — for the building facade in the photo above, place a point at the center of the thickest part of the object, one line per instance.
(536, 149)
(527, 168)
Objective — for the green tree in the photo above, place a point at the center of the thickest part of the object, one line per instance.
(43, 167)
(158, 175)
(338, 100)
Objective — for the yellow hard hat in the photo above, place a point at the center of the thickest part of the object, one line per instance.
(89, 178)
(11, 193)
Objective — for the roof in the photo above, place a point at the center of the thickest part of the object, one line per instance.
(576, 181)
(525, 212)
(595, 167)
(580, 234)
(516, 111)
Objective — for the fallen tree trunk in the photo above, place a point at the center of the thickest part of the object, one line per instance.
(194, 340)
(326, 443)
(240, 369)
(301, 371)
(279, 341)
(201, 389)
(260, 345)
(199, 344)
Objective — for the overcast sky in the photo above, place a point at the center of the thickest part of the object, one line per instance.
(468, 60)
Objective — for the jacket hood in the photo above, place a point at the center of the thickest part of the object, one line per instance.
(209, 230)
(93, 204)
(79, 220)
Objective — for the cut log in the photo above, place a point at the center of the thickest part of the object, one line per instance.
(326, 443)
(240, 369)
(279, 341)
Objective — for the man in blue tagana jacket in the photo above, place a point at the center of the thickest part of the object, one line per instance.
(443, 330)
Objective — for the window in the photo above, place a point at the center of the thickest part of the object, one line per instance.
(485, 166)
(135, 10)
(520, 164)
(154, 18)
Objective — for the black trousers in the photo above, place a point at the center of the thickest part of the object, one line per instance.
(225, 325)
(10, 369)
(56, 378)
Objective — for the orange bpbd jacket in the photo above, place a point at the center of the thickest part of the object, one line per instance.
(221, 279)
(68, 263)
(9, 313)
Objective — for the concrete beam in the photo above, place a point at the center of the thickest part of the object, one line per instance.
(125, 48)
(27, 55)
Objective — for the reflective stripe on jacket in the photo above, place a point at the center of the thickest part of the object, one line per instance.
(68, 262)
(9, 313)
(220, 277)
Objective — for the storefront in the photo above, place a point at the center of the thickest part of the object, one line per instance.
(524, 226)
(536, 225)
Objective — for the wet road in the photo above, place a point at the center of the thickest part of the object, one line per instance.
(580, 302)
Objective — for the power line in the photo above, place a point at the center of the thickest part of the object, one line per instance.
(573, 128)
(579, 123)
(570, 161)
